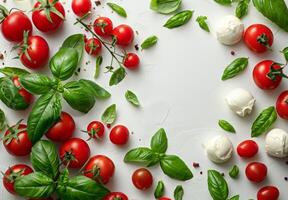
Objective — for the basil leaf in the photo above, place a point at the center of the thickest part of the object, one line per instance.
(118, 9)
(142, 156)
(3, 122)
(64, 63)
(99, 60)
(37, 83)
(234, 171)
(76, 42)
(224, 2)
(165, 6)
(202, 23)
(132, 98)
(35, 185)
(236, 67)
(79, 96)
(13, 71)
(159, 191)
(44, 158)
(217, 185)
(285, 53)
(236, 197)
(97, 90)
(45, 113)
(175, 168)
(242, 8)
(159, 142)
(226, 126)
(178, 192)
(117, 76)
(109, 115)
(179, 19)
(149, 42)
(264, 121)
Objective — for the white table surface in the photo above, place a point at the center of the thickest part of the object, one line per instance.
(180, 89)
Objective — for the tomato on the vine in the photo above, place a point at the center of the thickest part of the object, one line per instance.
(119, 135)
(142, 179)
(247, 149)
(93, 46)
(95, 129)
(282, 105)
(116, 196)
(268, 193)
(131, 61)
(81, 7)
(27, 96)
(256, 171)
(103, 26)
(123, 34)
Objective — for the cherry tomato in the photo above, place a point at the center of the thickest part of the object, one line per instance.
(27, 96)
(100, 168)
(119, 135)
(256, 171)
(41, 13)
(12, 174)
(282, 105)
(81, 7)
(268, 193)
(74, 152)
(123, 34)
(95, 129)
(93, 46)
(164, 198)
(267, 75)
(247, 149)
(258, 37)
(131, 61)
(142, 179)
(103, 26)
(63, 129)
(116, 196)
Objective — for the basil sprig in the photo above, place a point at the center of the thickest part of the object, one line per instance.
(178, 192)
(171, 165)
(132, 98)
(236, 67)
(234, 171)
(165, 6)
(109, 115)
(179, 19)
(242, 8)
(118, 9)
(225, 125)
(159, 190)
(202, 23)
(149, 42)
(217, 185)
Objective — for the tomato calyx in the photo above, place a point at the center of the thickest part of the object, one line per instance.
(13, 133)
(95, 171)
(23, 46)
(49, 7)
(274, 73)
(12, 175)
(93, 133)
(102, 25)
(92, 47)
(264, 40)
(68, 157)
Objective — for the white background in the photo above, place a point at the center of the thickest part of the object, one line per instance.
(180, 89)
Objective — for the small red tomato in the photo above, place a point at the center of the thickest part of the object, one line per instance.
(142, 179)
(100, 168)
(256, 171)
(282, 105)
(268, 193)
(247, 149)
(74, 152)
(258, 38)
(123, 35)
(12, 174)
(95, 129)
(93, 46)
(164, 198)
(119, 135)
(131, 61)
(103, 26)
(116, 196)
(63, 129)
(28, 97)
(81, 7)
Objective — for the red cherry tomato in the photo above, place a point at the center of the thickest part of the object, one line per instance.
(256, 171)
(142, 179)
(41, 18)
(119, 135)
(266, 75)
(28, 97)
(81, 7)
(164, 198)
(95, 129)
(131, 61)
(63, 129)
(103, 26)
(247, 149)
(258, 37)
(123, 34)
(74, 152)
(282, 105)
(116, 195)
(12, 174)
(93, 46)
(268, 193)
(100, 168)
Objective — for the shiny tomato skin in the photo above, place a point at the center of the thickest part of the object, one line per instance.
(131, 61)
(28, 97)
(81, 7)
(256, 172)
(63, 129)
(123, 34)
(268, 193)
(142, 179)
(9, 184)
(247, 149)
(116, 195)
(282, 105)
(252, 34)
(164, 198)
(96, 129)
(103, 26)
(76, 151)
(93, 46)
(119, 135)
(14, 26)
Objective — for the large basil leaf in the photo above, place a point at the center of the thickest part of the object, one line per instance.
(44, 114)
(142, 156)
(37, 83)
(76, 42)
(217, 185)
(64, 63)
(235, 68)
(35, 185)
(165, 6)
(179, 19)
(44, 158)
(159, 141)
(13, 71)
(3, 122)
(275, 10)
(98, 91)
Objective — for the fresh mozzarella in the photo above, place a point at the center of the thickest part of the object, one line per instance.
(276, 143)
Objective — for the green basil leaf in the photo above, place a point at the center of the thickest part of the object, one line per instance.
(159, 141)
(79, 96)
(13, 71)
(35, 185)
(97, 90)
(117, 76)
(178, 193)
(234, 171)
(3, 122)
(275, 10)
(132, 98)
(226, 126)
(109, 115)
(45, 113)
(64, 63)
(285, 53)
(149, 42)
(217, 185)
(99, 60)
(242, 8)
(175, 168)
(235, 68)
(159, 190)
(141, 156)
(202, 23)
(224, 2)
(44, 158)
(179, 19)
(236, 197)
(118, 9)
(37, 83)
(165, 6)
(62, 181)
(76, 42)
(264, 121)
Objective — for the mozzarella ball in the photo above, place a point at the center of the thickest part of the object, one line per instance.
(276, 143)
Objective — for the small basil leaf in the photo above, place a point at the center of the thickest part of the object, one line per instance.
(142, 156)
(285, 53)
(235, 68)
(117, 76)
(165, 6)
(224, 2)
(13, 71)
(118, 9)
(159, 190)
(226, 126)
(149, 42)
(234, 171)
(179, 19)
(159, 141)
(132, 98)
(109, 115)
(217, 185)
(236, 197)
(76, 42)
(99, 60)
(202, 23)
(97, 90)
(264, 121)
(3, 122)
(178, 193)
(37, 83)
(242, 8)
